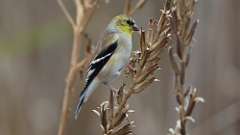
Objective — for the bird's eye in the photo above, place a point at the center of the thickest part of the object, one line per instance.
(129, 22)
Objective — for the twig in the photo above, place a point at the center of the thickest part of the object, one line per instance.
(84, 12)
(129, 9)
(139, 5)
(66, 13)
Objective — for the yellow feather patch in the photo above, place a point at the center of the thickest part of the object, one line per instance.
(122, 25)
(126, 29)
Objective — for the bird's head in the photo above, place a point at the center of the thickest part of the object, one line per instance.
(125, 24)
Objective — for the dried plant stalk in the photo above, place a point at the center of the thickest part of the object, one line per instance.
(182, 30)
(175, 23)
(129, 9)
(84, 11)
(144, 63)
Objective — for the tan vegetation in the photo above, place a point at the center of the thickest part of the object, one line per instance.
(173, 30)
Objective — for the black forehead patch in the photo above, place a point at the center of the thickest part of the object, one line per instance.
(130, 22)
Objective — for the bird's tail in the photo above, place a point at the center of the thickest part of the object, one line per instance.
(84, 95)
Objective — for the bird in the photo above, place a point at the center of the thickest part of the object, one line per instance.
(113, 57)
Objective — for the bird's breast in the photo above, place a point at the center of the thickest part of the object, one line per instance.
(125, 49)
(119, 60)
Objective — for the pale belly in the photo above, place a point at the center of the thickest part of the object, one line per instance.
(114, 67)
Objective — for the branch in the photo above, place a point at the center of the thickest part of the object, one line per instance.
(179, 54)
(139, 5)
(66, 13)
(129, 10)
(127, 7)
(84, 12)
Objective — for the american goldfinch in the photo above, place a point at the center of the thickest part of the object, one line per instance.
(111, 60)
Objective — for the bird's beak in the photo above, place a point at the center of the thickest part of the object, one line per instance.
(135, 28)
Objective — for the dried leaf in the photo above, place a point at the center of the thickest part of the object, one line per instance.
(96, 112)
(192, 31)
(171, 131)
(147, 73)
(156, 80)
(190, 107)
(120, 94)
(119, 119)
(104, 116)
(125, 130)
(190, 119)
(131, 111)
(199, 100)
(179, 98)
(174, 59)
(188, 53)
(111, 104)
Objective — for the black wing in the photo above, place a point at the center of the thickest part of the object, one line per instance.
(99, 61)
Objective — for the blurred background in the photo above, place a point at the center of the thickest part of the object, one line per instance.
(35, 46)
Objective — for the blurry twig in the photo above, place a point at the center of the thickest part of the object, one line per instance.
(66, 13)
(84, 11)
(182, 33)
(129, 10)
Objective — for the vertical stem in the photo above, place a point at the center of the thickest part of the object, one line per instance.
(76, 47)
(84, 12)
(127, 7)
(70, 81)
(65, 110)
